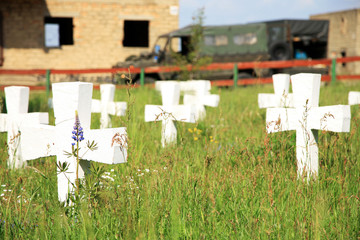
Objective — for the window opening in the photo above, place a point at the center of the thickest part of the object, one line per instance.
(136, 33)
(58, 32)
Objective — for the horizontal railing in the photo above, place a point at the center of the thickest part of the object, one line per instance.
(236, 66)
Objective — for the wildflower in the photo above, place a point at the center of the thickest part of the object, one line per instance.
(78, 133)
(190, 130)
(196, 138)
(123, 76)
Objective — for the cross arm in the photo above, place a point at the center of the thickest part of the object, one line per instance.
(270, 100)
(330, 118)
(95, 106)
(280, 119)
(111, 145)
(117, 108)
(183, 113)
(211, 100)
(354, 98)
(37, 141)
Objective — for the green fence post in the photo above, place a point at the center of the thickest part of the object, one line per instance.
(48, 72)
(235, 75)
(333, 71)
(142, 77)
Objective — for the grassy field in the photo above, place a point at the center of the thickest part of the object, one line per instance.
(225, 179)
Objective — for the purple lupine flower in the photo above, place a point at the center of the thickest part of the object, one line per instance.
(78, 133)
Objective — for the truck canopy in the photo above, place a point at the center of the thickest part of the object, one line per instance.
(229, 39)
(310, 29)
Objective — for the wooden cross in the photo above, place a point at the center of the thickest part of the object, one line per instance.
(17, 102)
(106, 106)
(281, 97)
(41, 141)
(198, 94)
(306, 118)
(354, 98)
(169, 112)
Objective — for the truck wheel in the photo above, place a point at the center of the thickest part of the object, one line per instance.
(280, 51)
(244, 75)
(147, 80)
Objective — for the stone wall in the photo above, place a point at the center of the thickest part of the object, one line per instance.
(344, 37)
(98, 31)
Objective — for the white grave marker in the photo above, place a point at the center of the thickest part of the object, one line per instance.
(106, 106)
(306, 118)
(169, 112)
(17, 102)
(199, 95)
(45, 140)
(354, 98)
(281, 97)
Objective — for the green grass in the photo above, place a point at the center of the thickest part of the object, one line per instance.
(233, 182)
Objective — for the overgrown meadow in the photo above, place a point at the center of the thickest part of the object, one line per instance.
(225, 179)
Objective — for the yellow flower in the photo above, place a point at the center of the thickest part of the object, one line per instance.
(195, 138)
(190, 130)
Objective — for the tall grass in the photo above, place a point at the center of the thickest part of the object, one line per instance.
(230, 180)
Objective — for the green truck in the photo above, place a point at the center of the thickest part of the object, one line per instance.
(262, 41)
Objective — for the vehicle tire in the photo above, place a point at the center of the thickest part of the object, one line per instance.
(147, 80)
(280, 51)
(244, 75)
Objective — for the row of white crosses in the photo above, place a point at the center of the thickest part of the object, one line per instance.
(106, 105)
(306, 118)
(39, 140)
(17, 116)
(197, 93)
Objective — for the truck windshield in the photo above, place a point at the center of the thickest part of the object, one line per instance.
(160, 44)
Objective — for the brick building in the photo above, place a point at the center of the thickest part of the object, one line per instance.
(78, 34)
(344, 37)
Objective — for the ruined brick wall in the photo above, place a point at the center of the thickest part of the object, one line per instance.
(98, 31)
(344, 37)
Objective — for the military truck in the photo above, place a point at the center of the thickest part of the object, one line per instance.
(262, 41)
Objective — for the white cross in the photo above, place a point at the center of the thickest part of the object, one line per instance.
(46, 140)
(106, 106)
(354, 98)
(17, 102)
(198, 94)
(169, 112)
(281, 97)
(306, 118)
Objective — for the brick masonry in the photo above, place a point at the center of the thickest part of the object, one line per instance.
(98, 31)
(344, 37)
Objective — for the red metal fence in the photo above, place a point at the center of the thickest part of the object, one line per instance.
(212, 67)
